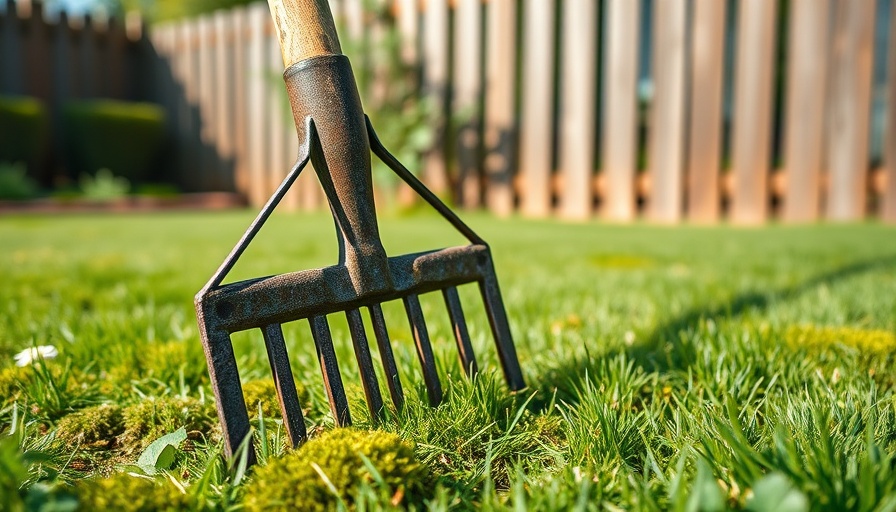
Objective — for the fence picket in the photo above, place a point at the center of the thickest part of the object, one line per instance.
(222, 27)
(751, 145)
(667, 127)
(435, 80)
(255, 103)
(237, 47)
(888, 212)
(850, 99)
(806, 84)
(578, 107)
(500, 123)
(620, 122)
(705, 124)
(537, 107)
(467, 90)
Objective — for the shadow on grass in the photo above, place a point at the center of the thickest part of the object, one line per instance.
(650, 355)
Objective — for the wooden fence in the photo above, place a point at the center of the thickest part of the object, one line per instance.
(668, 110)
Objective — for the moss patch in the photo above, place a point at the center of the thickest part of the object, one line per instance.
(146, 421)
(94, 427)
(264, 391)
(296, 481)
(126, 492)
(870, 341)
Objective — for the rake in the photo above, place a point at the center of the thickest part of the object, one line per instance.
(338, 138)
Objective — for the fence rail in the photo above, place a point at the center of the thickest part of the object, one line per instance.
(669, 110)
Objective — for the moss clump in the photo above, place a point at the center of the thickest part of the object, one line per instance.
(868, 341)
(265, 392)
(292, 482)
(126, 492)
(146, 421)
(94, 427)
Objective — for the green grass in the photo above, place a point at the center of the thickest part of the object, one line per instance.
(668, 368)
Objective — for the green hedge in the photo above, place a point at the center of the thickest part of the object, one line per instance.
(122, 137)
(23, 129)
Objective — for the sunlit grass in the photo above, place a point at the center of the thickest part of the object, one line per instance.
(665, 365)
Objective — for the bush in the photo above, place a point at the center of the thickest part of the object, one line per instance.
(292, 482)
(15, 183)
(122, 137)
(127, 492)
(23, 129)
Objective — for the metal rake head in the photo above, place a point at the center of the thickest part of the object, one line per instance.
(338, 139)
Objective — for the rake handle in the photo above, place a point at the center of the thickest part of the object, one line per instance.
(305, 29)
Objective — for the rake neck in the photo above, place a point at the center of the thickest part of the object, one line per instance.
(323, 89)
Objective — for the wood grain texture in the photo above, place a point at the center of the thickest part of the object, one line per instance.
(578, 93)
(705, 124)
(751, 145)
(888, 212)
(537, 108)
(500, 117)
(667, 127)
(850, 109)
(620, 125)
(305, 28)
(807, 55)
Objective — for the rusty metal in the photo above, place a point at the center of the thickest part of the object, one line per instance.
(338, 138)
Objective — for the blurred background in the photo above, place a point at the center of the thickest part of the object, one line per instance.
(666, 110)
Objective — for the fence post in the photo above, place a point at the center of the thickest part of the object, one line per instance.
(578, 105)
(667, 127)
(500, 124)
(889, 199)
(705, 130)
(753, 110)
(619, 135)
(537, 102)
(435, 83)
(467, 91)
(806, 84)
(850, 99)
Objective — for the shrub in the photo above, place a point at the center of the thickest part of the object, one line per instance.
(126, 492)
(122, 137)
(292, 482)
(15, 183)
(146, 421)
(23, 129)
(93, 427)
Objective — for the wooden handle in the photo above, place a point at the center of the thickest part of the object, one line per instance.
(305, 29)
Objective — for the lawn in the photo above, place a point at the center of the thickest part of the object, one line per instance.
(678, 368)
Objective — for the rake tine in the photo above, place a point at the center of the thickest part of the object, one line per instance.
(424, 349)
(290, 407)
(389, 366)
(365, 363)
(461, 334)
(320, 329)
(497, 319)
